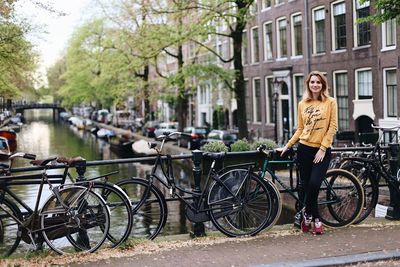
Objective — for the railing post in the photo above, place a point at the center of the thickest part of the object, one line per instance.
(393, 212)
(80, 167)
(197, 156)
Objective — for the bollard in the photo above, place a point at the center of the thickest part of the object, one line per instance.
(393, 212)
(198, 228)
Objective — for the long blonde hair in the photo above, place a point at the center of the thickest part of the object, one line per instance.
(307, 96)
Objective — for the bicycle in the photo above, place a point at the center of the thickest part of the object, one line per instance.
(72, 218)
(237, 201)
(117, 201)
(340, 197)
(370, 170)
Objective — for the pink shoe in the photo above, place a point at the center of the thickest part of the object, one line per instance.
(318, 228)
(306, 223)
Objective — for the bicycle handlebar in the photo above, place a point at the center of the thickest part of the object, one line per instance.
(397, 127)
(22, 155)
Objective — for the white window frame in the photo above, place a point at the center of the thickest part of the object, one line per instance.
(256, 120)
(385, 47)
(268, 100)
(294, 94)
(265, 41)
(264, 7)
(252, 45)
(245, 57)
(333, 33)
(334, 73)
(278, 35)
(356, 81)
(293, 37)
(385, 97)
(314, 33)
(355, 24)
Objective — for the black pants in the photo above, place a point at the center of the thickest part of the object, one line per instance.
(311, 176)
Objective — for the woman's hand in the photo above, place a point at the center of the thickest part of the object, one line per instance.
(282, 150)
(319, 157)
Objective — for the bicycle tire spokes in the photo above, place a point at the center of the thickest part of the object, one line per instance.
(248, 213)
(81, 227)
(340, 199)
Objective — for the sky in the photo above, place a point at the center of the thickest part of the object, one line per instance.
(53, 32)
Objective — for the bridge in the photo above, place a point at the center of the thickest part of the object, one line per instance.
(21, 107)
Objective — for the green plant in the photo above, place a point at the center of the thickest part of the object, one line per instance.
(215, 146)
(268, 142)
(240, 145)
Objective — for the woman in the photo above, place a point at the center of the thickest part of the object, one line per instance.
(317, 125)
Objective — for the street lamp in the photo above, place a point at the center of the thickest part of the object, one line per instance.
(275, 98)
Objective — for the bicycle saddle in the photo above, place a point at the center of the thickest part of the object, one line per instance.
(70, 161)
(42, 162)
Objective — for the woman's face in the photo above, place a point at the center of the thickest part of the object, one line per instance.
(315, 85)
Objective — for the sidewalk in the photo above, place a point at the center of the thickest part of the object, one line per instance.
(280, 246)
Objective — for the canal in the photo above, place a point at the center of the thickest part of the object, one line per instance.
(41, 136)
(44, 138)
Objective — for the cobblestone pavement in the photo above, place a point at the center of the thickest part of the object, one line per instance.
(281, 246)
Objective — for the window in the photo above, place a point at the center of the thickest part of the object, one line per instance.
(266, 4)
(362, 30)
(269, 87)
(389, 34)
(244, 48)
(297, 37)
(364, 83)
(254, 8)
(319, 31)
(339, 26)
(282, 42)
(257, 100)
(248, 104)
(299, 87)
(278, 2)
(255, 49)
(391, 92)
(268, 41)
(342, 99)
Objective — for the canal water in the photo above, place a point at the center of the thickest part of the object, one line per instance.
(44, 138)
(41, 136)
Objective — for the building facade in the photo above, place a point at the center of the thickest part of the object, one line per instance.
(286, 39)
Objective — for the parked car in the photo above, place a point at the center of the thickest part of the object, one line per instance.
(192, 136)
(124, 119)
(224, 136)
(166, 128)
(149, 127)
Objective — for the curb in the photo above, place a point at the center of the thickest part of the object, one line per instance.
(341, 260)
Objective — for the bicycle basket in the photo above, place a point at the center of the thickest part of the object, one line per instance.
(231, 182)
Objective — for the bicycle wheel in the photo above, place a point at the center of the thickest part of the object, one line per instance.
(276, 206)
(120, 212)
(150, 214)
(370, 184)
(9, 227)
(80, 223)
(242, 205)
(340, 198)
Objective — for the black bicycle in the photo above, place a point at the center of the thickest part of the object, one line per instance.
(237, 201)
(340, 198)
(373, 171)
(72, 218)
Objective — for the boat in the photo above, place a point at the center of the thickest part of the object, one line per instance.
(4, 149)
(141, 148)
(104, 133)
(11, 137)
(121, 145)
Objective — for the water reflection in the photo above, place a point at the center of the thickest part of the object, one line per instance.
(42, 137)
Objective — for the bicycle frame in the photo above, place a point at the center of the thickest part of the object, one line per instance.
(291, 190)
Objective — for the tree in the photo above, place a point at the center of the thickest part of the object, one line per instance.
(385, 10)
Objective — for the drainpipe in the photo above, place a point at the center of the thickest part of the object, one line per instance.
(307, 38)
